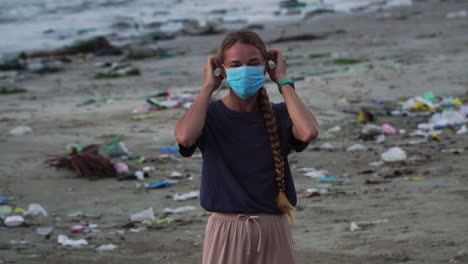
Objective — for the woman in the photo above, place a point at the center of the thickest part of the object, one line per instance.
(246, 181)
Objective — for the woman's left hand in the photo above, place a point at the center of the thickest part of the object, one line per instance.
(277, 74)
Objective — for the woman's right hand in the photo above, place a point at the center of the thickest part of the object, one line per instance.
(211, 82)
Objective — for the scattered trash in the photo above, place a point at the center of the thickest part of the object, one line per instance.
(360, 224)
(121, 167)
(327, 146)
(314, 173)
(446, 118)
(77, 229)
(380, 181)
(170, 150)
(462, 130)
(120, 71)
(144, 116)
(394, 154)
(5, 210)
(14, 220)
(313, 192)
(144, 215)
(346, 61)
(186, 196)
(364, 116)
(454, 151)
(84, 46)
(414, 178)
(19, 131)
(80, 214)
(6, 90)
(161, 184)
(388, 129)
(334, 129)
(44, 230)
(178, 210)
(330, 179)
(64, 240)
(356, 148)
(461, 13)
(459, 257)
(376, 163)
(106, 247)
(35, 210)
(370, 131)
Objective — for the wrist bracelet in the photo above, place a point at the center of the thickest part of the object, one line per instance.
(285, 82)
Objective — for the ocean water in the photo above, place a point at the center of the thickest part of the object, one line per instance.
(43, 24)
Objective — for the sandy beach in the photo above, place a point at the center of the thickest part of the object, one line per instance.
(412, 211)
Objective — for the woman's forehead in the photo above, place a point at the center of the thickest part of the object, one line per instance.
(242, 52)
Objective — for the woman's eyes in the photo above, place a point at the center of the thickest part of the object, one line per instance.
(239, 65)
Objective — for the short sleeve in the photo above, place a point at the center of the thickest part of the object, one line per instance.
(288, 140)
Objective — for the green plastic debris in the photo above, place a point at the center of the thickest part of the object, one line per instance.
(12, 65)
(303, 74)
(127, 71)
(292, 4)
(48, 69)
(6, 90)
(347, 61)
(314, 56)
(429, 96)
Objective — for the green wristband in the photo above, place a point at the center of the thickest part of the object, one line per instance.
(285, 82)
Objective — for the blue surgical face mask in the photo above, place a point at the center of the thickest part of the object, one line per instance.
(245, 81)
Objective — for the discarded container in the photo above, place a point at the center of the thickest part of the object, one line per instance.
(106, 247)
(65, 241)
(14, 220)
(178, 210)
(77, 229)
(161, 184)
(115, 149)
(186, 196)
(147, 214)
(35, 210)
(19, 131)
(170, 150)
(394, 154)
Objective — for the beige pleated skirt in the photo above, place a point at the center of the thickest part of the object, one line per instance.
(248, 239)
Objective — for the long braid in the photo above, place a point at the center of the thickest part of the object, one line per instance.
(272, 129)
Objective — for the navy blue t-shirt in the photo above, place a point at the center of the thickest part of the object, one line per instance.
(238, 172)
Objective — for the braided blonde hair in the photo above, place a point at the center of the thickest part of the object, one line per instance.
(251, 38)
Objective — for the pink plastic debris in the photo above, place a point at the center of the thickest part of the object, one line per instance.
(388, 129)
(121, 167)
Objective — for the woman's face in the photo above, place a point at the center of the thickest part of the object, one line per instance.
(241, 54)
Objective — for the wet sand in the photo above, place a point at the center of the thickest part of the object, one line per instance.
(409, 52)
